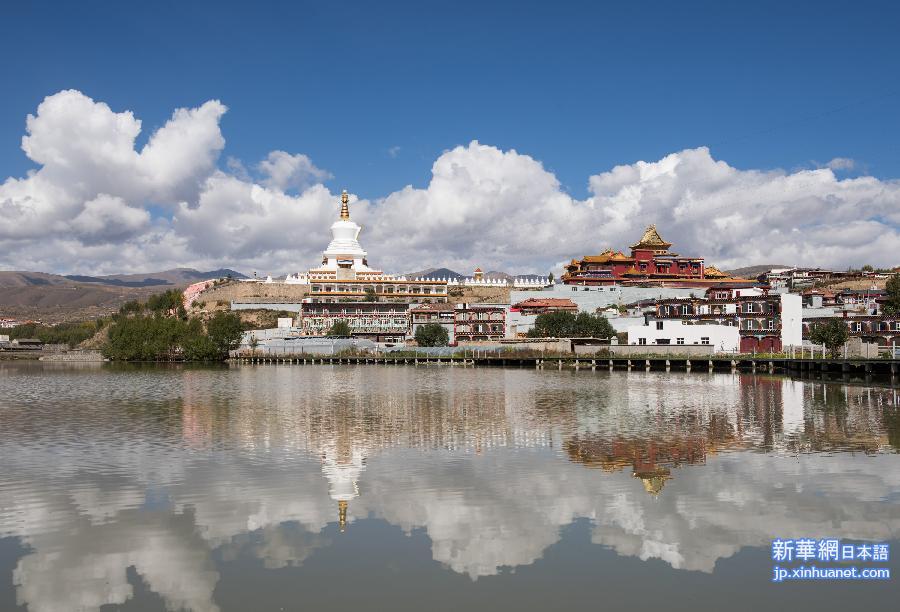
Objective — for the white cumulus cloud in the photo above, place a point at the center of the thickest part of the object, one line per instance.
(97, 204)
(284, 171)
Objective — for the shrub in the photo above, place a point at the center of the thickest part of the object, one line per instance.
(432, 334)
(340, 328)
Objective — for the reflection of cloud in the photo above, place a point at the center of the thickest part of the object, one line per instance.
(251, 463)
(83, 567)
(278, 546)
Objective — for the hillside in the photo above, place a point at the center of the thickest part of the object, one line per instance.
(53, 298)
(177, 277)
(753, 271)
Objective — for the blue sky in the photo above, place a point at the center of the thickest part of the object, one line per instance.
(750, 133)
(581, 86)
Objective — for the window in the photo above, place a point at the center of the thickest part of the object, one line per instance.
(771, 323)
(704, 340)
(679, 340)
(659, 325)
(642, 341)
(685, 310)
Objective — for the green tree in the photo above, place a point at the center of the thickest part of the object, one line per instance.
(867, 268)
(432, 334)
(557, 324)
(563, 324)
(145, 338)
(131, 307)
(340, 328)
(225, 331)
(832, 334)
(370, 296)
(550, 278)
(892, 299)
(71, 334)
(592, 326)
(170, 302)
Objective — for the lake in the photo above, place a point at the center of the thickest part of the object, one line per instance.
(434, 488)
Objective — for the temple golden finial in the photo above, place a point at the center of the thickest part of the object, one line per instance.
(345, 210)
(342, 510)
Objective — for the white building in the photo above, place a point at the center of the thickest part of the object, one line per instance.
(725, 338)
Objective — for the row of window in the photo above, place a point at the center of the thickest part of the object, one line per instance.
(379, 289)
(857, 326)
(703, 340)
(686, 309)
(479, 316)
(479, 328)
(327, 322)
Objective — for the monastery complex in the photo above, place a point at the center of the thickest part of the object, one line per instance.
(650, 296)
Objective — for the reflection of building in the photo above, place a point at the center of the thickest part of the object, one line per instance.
(649, 458)
(650, 261)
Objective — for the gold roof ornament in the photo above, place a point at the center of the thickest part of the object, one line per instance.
(714, 272)
(651, 240)
(345, 210)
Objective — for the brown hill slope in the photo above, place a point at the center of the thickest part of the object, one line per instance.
(52, 298)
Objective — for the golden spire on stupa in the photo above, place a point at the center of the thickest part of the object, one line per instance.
(345, 210)
(342, 515)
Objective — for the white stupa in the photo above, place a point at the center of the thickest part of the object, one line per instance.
(345, 258)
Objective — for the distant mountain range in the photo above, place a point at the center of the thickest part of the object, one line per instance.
(177, 276)
(753, 271)
(448, 273)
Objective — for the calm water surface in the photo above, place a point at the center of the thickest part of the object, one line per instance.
(433, 488)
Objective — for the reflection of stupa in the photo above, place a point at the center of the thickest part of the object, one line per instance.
(343, 465)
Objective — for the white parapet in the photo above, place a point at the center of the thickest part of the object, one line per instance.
(518, 283)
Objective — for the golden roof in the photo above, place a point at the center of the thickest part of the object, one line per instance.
(712, 271)
(607, 256)
(651, 240)
(345, 210)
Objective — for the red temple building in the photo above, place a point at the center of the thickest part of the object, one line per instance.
(650, 262)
